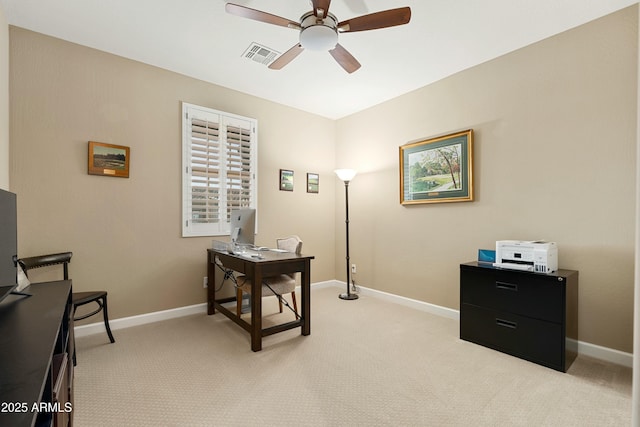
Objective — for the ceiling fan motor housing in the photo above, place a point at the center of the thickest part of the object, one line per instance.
(318, 34)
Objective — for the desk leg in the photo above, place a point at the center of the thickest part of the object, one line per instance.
(305, 289)
(211, 286)
(256, 311)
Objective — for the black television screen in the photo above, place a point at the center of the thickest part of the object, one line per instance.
(8, 238)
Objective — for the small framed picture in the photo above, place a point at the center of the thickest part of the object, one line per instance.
(313, 183)
(286, 180)
(108, 159)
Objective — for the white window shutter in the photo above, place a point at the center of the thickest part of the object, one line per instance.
(219, 169)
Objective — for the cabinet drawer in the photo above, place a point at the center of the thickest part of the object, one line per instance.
(531, 339)
(60, 390)
(526, 294)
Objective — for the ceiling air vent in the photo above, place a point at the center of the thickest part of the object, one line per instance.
(261, 54)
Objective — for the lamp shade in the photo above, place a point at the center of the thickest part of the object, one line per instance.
(345, 175)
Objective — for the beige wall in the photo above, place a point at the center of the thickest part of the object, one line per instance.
(554, 159)
(125, 233)
(4, 101)
(555, 132)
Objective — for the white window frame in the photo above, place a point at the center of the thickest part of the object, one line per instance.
(215, 222)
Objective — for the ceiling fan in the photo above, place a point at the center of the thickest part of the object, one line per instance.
(319, 29)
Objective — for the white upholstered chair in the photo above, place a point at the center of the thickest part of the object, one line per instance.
(281, 285)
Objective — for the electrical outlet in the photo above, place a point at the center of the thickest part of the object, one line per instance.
(205, 282)
(353, 269)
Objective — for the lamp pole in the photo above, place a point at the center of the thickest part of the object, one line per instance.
(346, 175)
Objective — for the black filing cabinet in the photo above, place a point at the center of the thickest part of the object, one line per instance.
(525, 314)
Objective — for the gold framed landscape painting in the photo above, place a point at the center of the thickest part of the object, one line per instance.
(437, 170)
(108, 159)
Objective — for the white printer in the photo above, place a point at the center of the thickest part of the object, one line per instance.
(537, 256)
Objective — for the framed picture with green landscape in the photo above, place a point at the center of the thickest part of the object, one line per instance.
(313, 183)
(108, 159)
(286, 180)
(437, 170)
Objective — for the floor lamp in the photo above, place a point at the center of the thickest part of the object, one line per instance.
(347, 175)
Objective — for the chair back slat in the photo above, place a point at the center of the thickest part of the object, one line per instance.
(63, 258)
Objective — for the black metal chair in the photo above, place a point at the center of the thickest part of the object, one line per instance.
(78, 298)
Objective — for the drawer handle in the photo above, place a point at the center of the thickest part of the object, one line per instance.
(507, 286)
(506, 323)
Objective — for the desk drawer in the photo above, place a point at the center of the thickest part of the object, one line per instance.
(527, 294)
(534, 340)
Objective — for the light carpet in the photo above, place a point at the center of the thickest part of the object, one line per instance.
(366, 363)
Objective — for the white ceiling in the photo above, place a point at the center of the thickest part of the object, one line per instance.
(198, 39)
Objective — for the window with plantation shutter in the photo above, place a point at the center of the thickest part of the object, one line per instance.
(219, 165)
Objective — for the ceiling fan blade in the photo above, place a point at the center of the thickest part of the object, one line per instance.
(286, 57)
(344, 58)
(258, 15)
(321, 7)
(373, 21)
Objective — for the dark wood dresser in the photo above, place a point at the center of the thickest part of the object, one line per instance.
(525, 314)
(36, 357)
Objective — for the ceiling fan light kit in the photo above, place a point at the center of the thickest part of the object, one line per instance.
(318, 34)
(319, 30)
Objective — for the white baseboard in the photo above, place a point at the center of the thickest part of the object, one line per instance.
(584, 348)
(412, 303)
(438, 310)
(604, 353)
(127, 322)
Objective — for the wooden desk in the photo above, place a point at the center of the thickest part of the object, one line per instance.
(36, 353)
(272, 264)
